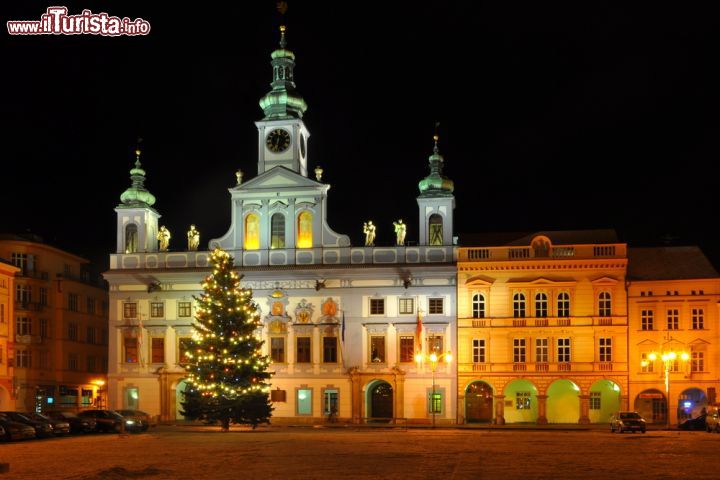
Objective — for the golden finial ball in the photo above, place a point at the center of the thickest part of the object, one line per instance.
(282, 28)
(138, 152)
(436, 137)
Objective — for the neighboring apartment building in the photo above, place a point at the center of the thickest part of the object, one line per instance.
(674, 296)
(542, 327)
(340, 322)
(7, 289)
(60, 327)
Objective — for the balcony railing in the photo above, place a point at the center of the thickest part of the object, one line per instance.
(33, 274)
(499, 322)
(30, 306)
(543, 367)
(490, 254)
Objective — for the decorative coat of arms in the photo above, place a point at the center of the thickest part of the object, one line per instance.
(303, 312)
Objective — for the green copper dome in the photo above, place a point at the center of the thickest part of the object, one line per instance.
(436, 184)
(283, 101)
(137, 195)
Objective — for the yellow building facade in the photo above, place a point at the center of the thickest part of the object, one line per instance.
(674, 298)
(59, 328)
(542, 328)
(7, 287)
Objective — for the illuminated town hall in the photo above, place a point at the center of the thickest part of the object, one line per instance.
(547, 327)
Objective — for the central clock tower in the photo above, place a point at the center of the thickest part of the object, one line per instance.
(282, 135)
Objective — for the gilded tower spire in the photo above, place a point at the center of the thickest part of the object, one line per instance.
(137, 195)
(436, 184)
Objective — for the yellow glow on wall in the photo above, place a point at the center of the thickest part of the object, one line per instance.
(304, 230)
(252, 232)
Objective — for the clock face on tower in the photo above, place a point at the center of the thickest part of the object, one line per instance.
(278, 140)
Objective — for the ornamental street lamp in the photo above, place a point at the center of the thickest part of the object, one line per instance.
(669, 358)
(433, 359)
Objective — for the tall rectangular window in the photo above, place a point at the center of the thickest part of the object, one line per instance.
(519, 350)
(541, 305)
(522, 400)
(563, 304)
(157, 345)
(647, 319)
(72, 362)
(563, 350)
(303, 351)
(44, 328)
(435, 345)
(478, 350)
(184, 309)
(646, 365)
(595, 398)
(673, 319)
(23, 293)
(541, 350)
(697, 361)
(330, 401)
(73, 302)
(72, 331)
(435, 402)
(435, 306)
(330, 350)
(407, 348)
(90, 335)
(91, 364)
(131, 350)
(698, 318)
(20, 260)
(23, 326)
(304, 401)
(277, 349)
(23, 358)
(377, 306)
(157, 309)
(130, 310)
(377, 349)
(43, 296)
(277, 231)
(605, 349)
(406, 306)
(90, 305)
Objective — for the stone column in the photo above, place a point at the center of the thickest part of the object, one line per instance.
(624, 403)
(499, 409)
(356, 389)
(584, 409)
(460, 409)
(542, 410)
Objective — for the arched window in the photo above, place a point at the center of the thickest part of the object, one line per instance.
(277, 231)
(605, 304)
(304, 230)
(541, 305)
(131, 238)
(252, 232)
(435, 229)
(478, 306)
(563, 304)
(519, 305)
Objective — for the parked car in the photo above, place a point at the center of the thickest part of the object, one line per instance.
(697, 423)
(60, 427)
(111, 421)
(147, 420)
(15, 430)
(712, 420)
(77, 424)
(627, 422)
(43, 428)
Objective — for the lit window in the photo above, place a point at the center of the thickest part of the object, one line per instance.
(406, 306)
(646, 365)
(184, 309)
(158, 350)
(252, 232)
(522, 400)
(131, 350)
(157, 309)
(435, 345)
(304, 401)
(435, 402)
(277, 231)
(435, 229)
(377, 349)
(304, 230)
(130, 310)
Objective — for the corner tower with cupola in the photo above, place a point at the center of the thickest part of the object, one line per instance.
(137, 220)
(436, 203)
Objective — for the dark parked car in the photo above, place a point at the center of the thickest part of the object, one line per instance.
(697, 423)
(60, 427)
(146, 419)
(43, 428)
(15, 430)
(627, 422)
(77, 424)
(111, 421)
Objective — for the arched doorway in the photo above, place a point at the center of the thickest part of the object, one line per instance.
(604, 401)
(521, 402)
(563, 403)
(179, 399)
(691, 403)
(479, 403)
(651, 404)
(380, 402)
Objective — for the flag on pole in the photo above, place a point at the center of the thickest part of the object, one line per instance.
(342, 329)
(419, 333)
(140, 348)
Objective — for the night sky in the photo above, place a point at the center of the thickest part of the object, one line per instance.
(552, 117)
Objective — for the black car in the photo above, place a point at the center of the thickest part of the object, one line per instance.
(110, 421)
(77, 424)
(15, 430)
(60, 427)
(697, 423)
(43, 428)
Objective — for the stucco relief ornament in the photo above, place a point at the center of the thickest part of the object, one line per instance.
(303, 312)
(329, 310)
(163, 237)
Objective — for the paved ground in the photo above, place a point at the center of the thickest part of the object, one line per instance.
(368, 453)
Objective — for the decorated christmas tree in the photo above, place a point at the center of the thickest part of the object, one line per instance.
(227, 373)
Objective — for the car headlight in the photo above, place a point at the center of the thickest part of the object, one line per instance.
(129, 422)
